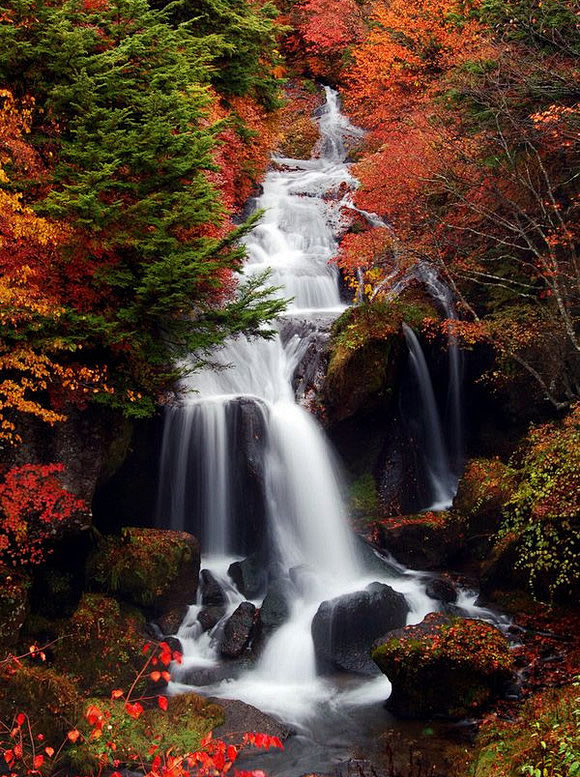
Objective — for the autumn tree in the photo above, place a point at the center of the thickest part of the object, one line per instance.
(121, 119)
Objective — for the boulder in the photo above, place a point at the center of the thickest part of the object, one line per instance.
(345, 628)
(483, 491)
(13, 606)
(424, 541)
(240, 716)
(212, 594)
(443, 589)
(239, 631)
(171, 620)
(275, 608)
(444, 666)
(210, 617)
(153, 568)
(249, 576)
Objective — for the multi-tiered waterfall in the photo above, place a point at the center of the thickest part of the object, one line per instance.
(244, 465)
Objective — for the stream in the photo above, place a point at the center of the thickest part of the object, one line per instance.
(245, 468)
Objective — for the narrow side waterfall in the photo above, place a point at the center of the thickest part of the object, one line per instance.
(443, 482)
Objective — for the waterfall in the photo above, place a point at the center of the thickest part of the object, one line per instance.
(443, 483)
(442, 294)
(244, 467)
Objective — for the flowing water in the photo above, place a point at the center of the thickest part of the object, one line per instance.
(240, 452)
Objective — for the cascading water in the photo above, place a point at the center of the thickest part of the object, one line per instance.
(442, 481)
(239, 452)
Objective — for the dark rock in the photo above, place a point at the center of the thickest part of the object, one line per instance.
(249, 576)
(243, 717)
(174, 644)
(377, 561)
(153, 568)
(275, 609)
(209, 675)
(239, 631)
(443, 666)
(345, 628)
(442, 589)
(500, 571)
(212, 594)
(170, 621)
(424, 541)
(210, 617)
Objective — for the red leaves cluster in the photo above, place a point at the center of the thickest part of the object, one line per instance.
(34, 506)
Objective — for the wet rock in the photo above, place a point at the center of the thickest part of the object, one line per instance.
(170, 621)
(239, 631)
(444, 666)
(443, 589)
(210, 617)
(153, 568)
(275, 609)
(345, 628)
(212, 594)
(376, 561)
(357, 767)
(249, 576)
(243, 717)
(424, 541)
(209, 675)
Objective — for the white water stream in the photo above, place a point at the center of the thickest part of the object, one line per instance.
(304, 514)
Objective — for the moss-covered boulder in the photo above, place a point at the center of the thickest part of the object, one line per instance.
(423, 541)
(100, 646)
(484, 489)
(13, 607)
(178, 729)
(50, 699)
(153, 568)
(366, 353)
(443, 666)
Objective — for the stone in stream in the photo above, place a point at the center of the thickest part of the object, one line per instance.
(445, 666)
(210, 617)
(345, 628)
(242, 627)
(275, 609)
(249, 576)
(443, 589)
(212, 594)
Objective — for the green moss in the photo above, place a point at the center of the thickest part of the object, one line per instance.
(100, 646)
(544, 737)
(50, 699)
(180, 728)
(148, 567)
(364, 500)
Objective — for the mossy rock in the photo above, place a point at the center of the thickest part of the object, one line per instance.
(366, 353)
(13, 607)
(50, 699)
(153, 568)
(100, 646)
(180, 728)
(443, 666)
(484, 489)
(429, 541)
